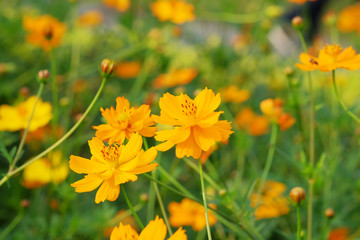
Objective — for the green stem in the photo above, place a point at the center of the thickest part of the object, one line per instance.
(232, 17)
(131, 207)
(204, 199)
(60, 141)
(12, 225)
(141, 79)
(54, 88)
(352, 115)
(298, 232)
(269, 159)
(21, 145)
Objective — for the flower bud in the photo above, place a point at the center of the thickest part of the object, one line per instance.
(329, 213)
(25, 203)
(144, 197)
(289, 71)
(107, 67)
(43, 76)
(24, 92)
(297, 195)
(297, 23)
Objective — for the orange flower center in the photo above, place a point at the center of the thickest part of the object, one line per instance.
(333, 50)
(111, 154)
(189, 108)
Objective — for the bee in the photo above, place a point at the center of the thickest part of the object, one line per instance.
(313, 61)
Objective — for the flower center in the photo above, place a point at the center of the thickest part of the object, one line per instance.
(48, 32)
(333, 50)
(189, 108)
(111, 154)
(123, 116)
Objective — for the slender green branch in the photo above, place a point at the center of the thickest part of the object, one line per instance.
(60, 141)
(204, 200)
(298, 232)
(21, 145)
(54, 88)
(131, 207)
(352, 115)
(12, 225)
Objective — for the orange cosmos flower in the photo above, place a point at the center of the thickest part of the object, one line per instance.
(177, 11)
(270, 203)
(272, 108)
(234, 94)
(330, 58)
(174, 78)
(254, 124)
(123, 121)
(300, 2)
(111, 166)
(90, 18)
(128, 69)
(349, 20)
(196, 124)
(44, 31)
(189, 213)
(120, 5)
(16, 118)
(285, 121)
(155, 230)
(339, 234)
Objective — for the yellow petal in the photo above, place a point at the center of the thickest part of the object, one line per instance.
(178, 235)
(206, 102)
(155, 230)
(83, 165)
(87, 184)
(123, 232)
(131, 149)
(107, 191)
(188, 148)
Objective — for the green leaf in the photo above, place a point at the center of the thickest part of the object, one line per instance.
(8, 155)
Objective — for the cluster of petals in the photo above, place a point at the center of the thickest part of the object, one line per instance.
(175, 78)
(330, 58)
(111, 166)
(45, 170)
(120, 5)
(123, 121)
(234, 94)
(196, 125)
(155, 230)
(270, 203)
(189, 213)
(273, 109)
(44, 31)
(254, 124)
(177, 11)
(17, 118)
(349, 19)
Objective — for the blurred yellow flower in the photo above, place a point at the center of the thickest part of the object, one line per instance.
(234, 94)
(272, 108)
(128, 69)
(123, 121)
(285, 121)
(111, 166)
(339, 234)
(330, 58)
(90, 18)
(45, 170)
(16, 118)
(174, 78)
(196, 124)
(44, 31)
(155, 230)
(300, 2)
(349, 20)
(270, 203)
(120, 5)
(189, 213)
(254, 124)
(177, 11)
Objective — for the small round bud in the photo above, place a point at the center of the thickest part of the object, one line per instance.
(329, 18)
(144, 197)
(288, 71)
(25, 203)
(297, 22)
(24, 92)
(297, 195)
(43, 76)
(222, 192)
(78, 116)
(329, 213)
(107, 67)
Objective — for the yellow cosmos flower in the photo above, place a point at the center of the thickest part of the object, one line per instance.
(196, 125)
(189, 213)
(44, 31)
(177, 11)
(155, 230)
(300, 2)
(330, 58)
(349, 20)
(120, 5)
(272, 108)
(44, 171)
(128, 69)
(124, 121)
(16, 118)
(174, 78)
(90, 18)
(270, 203)
(111, 166)
(234, 94)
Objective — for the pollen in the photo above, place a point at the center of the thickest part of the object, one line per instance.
(333, 50)
(111, 153)
(188, 107)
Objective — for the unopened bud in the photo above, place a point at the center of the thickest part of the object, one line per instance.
(297, 195)
(107, 67)
(288, 71)
(43, 76)
(297, 23)
(24, 92)
(329, 213)
(25, 203)
(144, 197)
(222, 192)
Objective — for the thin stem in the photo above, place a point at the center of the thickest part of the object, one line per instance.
(298, 232)
(352, 115)
(131, 207)
(204, 199)
(12, 225)
(21, 145)
(232, 17)
(54, 89)
(269, 159)
(61, 140)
